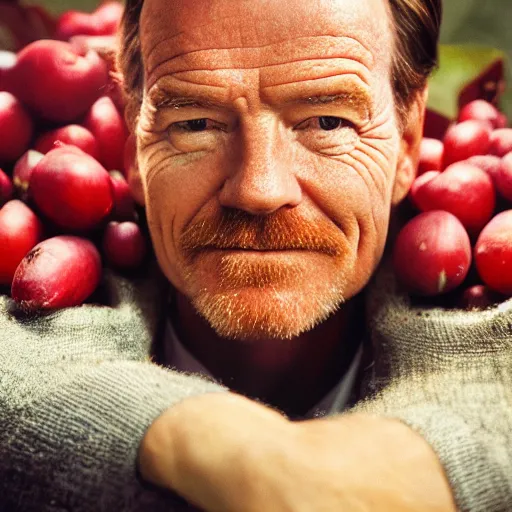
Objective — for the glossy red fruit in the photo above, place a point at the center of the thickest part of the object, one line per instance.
(124, 205)
(493, 253)
(480, 110)
(73, 134)
(488, 163)
(59, 272)
(501, 142)
(23, 171)
(72, 23)
(418, 184)
(463, 190)
(56, 81)
(107, 49)
(504, 177)
(72, 189)
(432, 253)
(431, 155)
(108, 16)
(16, 128)
(478, 296)
(124, 245)
(465, 140)
(20, 231)
(107, 125)
(5, 188)
(7, 62)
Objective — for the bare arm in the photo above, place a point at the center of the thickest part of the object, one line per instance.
(229, 453)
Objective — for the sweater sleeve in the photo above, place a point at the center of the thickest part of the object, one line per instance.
(77, 393)
(448, 375)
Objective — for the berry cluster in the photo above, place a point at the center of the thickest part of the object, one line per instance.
(462, 238)
(65, 204)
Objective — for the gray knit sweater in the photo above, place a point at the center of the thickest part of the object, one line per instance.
(78, 390)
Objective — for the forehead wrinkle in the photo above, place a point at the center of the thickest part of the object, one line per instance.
(296, 71)
(298, 49)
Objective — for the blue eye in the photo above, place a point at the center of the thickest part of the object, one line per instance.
(328, 123)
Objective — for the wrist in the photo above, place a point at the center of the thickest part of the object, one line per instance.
(214, 438)
(382, 462)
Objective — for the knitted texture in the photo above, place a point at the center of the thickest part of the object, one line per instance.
(448, 375)
(77, 393)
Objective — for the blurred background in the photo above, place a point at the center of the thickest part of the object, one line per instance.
(485, 22)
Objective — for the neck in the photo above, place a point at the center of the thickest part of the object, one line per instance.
(292, 375)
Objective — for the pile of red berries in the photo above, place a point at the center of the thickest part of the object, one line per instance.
(461, 238)
(65, 205)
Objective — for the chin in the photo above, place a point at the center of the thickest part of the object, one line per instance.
(247, 299)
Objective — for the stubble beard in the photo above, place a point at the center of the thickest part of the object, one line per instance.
(244, 296)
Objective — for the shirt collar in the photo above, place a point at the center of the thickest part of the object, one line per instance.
(178, 357)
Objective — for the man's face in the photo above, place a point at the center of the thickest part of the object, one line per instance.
(268, 148)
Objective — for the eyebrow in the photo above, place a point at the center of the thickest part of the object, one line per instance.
(162, 97)
(357, 99)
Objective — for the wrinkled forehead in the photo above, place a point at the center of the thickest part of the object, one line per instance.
(259, 33)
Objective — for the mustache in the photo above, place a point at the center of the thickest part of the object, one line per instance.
(279, 231)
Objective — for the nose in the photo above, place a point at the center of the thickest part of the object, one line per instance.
(263, 179)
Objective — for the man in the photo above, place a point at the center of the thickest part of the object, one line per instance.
(274, 139)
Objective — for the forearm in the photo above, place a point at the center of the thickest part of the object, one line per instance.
(231, 454)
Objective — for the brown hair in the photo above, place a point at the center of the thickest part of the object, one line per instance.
(416, 24)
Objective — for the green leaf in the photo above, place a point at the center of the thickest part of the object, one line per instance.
(459, 65)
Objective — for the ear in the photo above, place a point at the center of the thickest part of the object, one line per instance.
(410, 147)
(132, 170)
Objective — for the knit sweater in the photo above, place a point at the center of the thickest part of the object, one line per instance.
(78, 390)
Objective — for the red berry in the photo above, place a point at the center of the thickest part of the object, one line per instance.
(5, 188)
(20, 231)
(478, 296)
(107, 125)
(501, 142)
(124, 205)
(57, 82)
(504, 177)
(59, 272)
(15, 128)
(7, 62)
(493, 253)
(464, 140)
(432, 253)
(480, 110)
(124, 245)
(109, 15)
(463, 190)
(72, 189)
(431, 155)
(73, 134)
(73, 23)
(488, 163)
(23, 171)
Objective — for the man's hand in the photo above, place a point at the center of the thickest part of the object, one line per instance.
(224, 452)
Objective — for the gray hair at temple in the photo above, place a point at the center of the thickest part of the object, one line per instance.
(416, 26)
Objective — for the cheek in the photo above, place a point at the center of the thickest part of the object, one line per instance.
(355, 191)
(176, 188)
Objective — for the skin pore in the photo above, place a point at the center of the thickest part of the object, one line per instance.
(270, 155)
